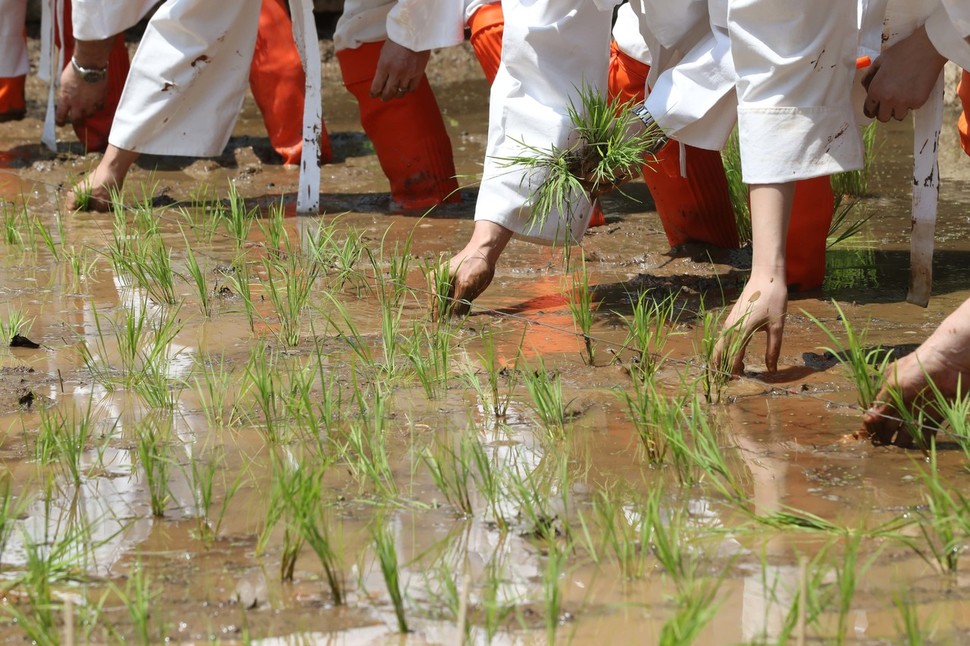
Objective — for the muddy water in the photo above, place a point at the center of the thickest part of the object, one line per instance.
(213, 566)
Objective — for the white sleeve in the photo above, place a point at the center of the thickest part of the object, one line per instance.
(669, 21)
(420, 25)
(948, 38)
(959, 11)
(102, 19)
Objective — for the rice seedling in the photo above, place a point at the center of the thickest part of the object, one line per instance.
(737, 189)
(199, 279)
(856, 183)
(11, 508)
(653, 415)
(336, 315)
(337, 252)
(669, 539)
(907, 623)
(846, 577)
(579, 296)
(947, 527)
(203, 478)
(365, 453)
(17, 222)
(16, 323)
(240, 220)
(241, 282)
(213, 388)
(866, 366)
(545, 389)
(148, 261)
(697, 605)
(139, 596)
(298, 500)
(556, 556)
(489, 482)
(495, 610)
(54, 247)
(497, 396)
(718, 367)
(451, 470)
(842, 227)
(625, 530)
(263, 374)
(65, 438)
(383, 540)
(604, 154)
(437, 276)
(274, 230)
(153, 437)
(82, 264)
(647, 332)
(532, 494)
(428, 349)
(289, 285)
(810, 597)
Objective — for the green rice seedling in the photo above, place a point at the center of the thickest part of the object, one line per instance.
(148, 261)
(452, 471)
(155, 386)
(82, 264)
(428, 350)
(647, 333)
(907, 623)
(842, 227)
(263, 375)
(54, 247)
(203, 478)
(653, 414)
(390, 292)
(342, 321)
(11, 508)
(669, 539)
(737, 189)
(625, 530)
(203, 196)
(241, 281)
(19, 225)
(298, 494)
(66, 437)
(811, 596)
(289, 286)
(240, 220)
(199, 279)
(497, 396)
(16, 323)
(153, 438)
(579, 296)
(214, 387)
(337, 252)
(489, 482)
(383, 541)
(365, 453)
(703, 455)
(948, 524)
(316, 412)
(718, 369)
(495, 609)
(846, 577)
(866, 366)
(532, 494)
(856, 183)
(556, 556)
(545, 389)
(697, 604)
(437, 276)
(604, 154)
(140, 596)
(274, 230)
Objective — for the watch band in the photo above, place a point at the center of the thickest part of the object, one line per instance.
(90, 74)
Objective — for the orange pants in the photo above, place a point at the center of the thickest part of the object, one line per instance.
(964, 91)
(13, 102)
(408, 134)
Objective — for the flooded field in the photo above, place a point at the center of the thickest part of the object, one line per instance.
(244, 426)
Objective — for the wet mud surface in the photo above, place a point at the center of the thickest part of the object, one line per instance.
(154, 451)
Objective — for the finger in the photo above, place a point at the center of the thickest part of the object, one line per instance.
(60, 113)
(879, 424)
(870, 108)
(391, 89)
(377, 86)
(870, 73)
(775, 332)
(737, 366)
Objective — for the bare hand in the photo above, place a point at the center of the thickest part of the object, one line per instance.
(77, 99)
(761, 306)
(399, 70)
(902, 77)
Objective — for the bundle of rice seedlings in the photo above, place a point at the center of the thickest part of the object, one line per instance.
(610, 147)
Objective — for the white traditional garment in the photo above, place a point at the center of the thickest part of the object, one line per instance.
(627, 36)
(188, 78)
(13, 47)
(419, 25)
(550, 49)
(101, 19)
(782, 73)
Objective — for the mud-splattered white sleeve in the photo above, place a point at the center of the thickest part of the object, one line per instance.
(947, 36)
(420, 25)
(101, 19)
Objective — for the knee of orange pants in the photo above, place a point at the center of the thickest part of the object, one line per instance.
(408, 134)
(487, 25)
(278, 84)
(963, 90)
(13, 99)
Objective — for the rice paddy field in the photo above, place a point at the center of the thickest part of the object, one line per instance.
(223, 423)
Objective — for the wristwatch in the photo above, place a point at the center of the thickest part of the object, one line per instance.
(90, 74)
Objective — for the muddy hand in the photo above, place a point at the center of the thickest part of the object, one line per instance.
(941, 360)
(761, 306)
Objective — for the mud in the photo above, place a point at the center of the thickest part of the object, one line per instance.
(789, 439)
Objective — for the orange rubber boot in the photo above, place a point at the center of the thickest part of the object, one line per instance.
(93, 131)
(13, 102)
(408, 134)
(693, 208)
(811, 217)
(487, 26)
(278, 84)
(964, 91)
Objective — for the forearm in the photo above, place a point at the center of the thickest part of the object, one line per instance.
(93, 53)
(770, 215)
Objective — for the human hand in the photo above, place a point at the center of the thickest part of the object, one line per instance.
(399, 70)
(762, 305)
(78, 99)
(902, 77)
